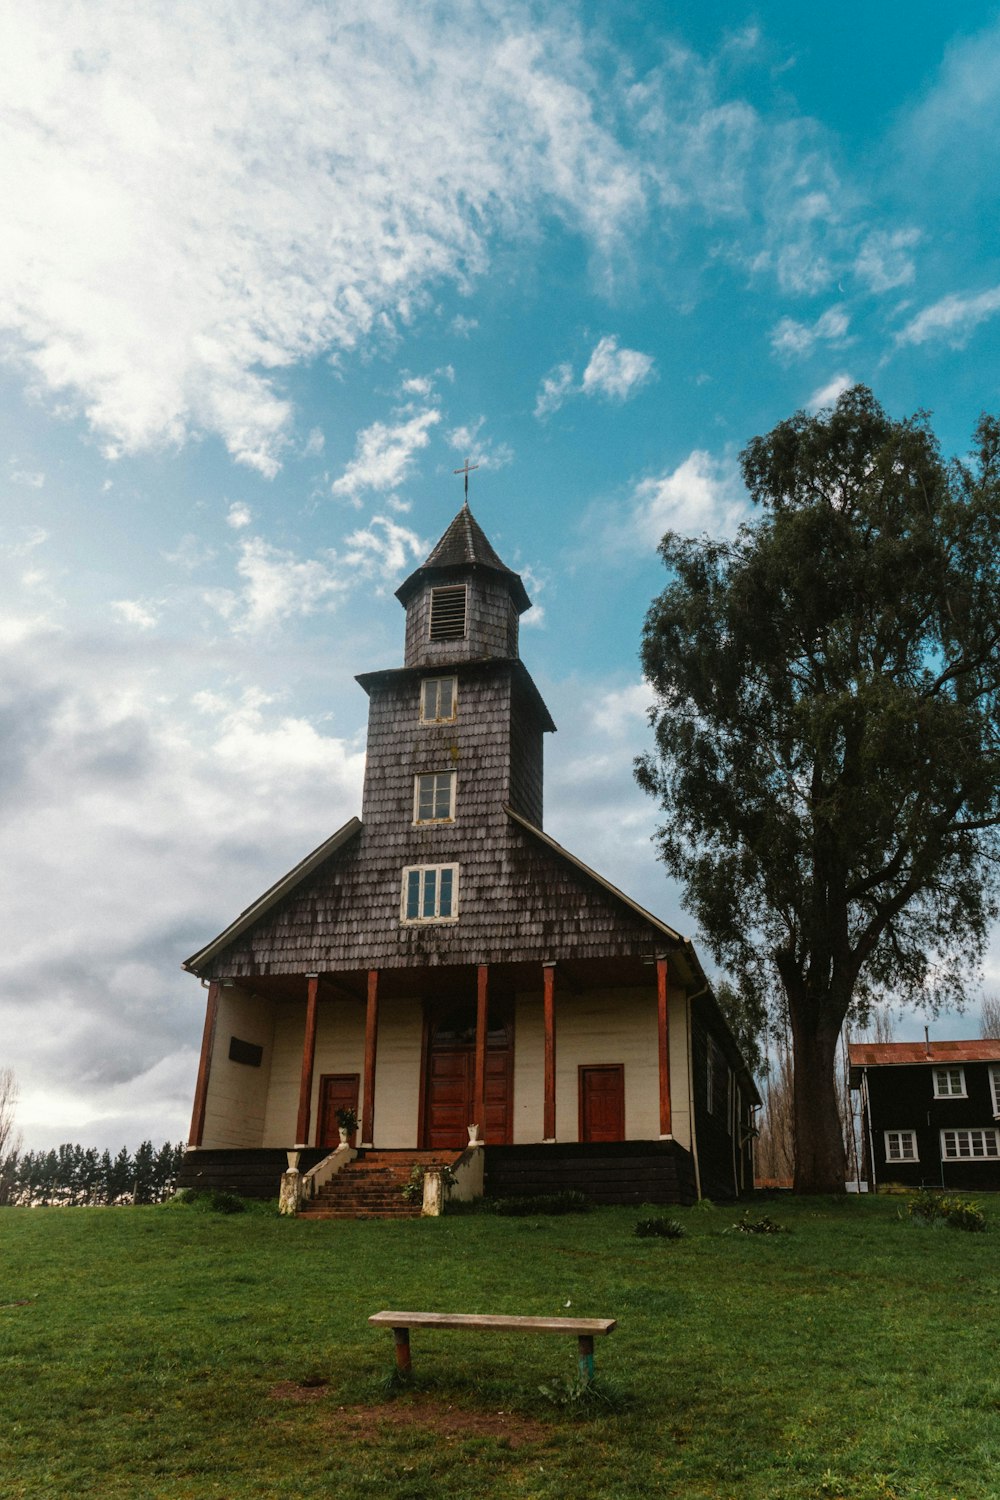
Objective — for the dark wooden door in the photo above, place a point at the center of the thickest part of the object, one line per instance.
(602, 1103)
(336, 1091)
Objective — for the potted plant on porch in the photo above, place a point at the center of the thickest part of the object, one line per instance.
(347, 1122)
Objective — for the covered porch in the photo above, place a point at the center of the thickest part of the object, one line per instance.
(577, 1051)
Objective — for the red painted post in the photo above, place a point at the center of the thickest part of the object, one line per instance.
(549, 1007)
(371, 1046)
(663, 1049)
(401, 1338)
(482, 1031)
(205, 1065)
(308, 1060)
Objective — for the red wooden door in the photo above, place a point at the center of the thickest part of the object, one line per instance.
(602, 1103)
(449, 1097)
(336, 1091)
(451, 1078)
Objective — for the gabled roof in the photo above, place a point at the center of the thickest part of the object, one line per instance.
(675, 938)
(464, 545)
(270, 898)
(893, 1054)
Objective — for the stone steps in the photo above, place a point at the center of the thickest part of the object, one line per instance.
(371, 1187)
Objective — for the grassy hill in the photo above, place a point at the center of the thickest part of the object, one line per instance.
(170, 1351)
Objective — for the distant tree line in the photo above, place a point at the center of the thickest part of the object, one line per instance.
(75, 1176)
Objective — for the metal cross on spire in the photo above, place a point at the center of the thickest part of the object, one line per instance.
(466, 470)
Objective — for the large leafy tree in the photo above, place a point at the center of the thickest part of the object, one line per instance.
(827, 737)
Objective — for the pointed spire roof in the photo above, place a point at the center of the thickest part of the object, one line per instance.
(463, 546)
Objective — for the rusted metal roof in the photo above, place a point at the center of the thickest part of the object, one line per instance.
(464, 545)
(888, 1054)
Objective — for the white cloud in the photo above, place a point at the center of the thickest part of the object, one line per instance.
(791, 340)
(703, 494)
(418, 385)
(147, 821)
(554, 389)
(243, 186)
(383, 456)
(884, 261)
(466, 439)
(463, 326)
(191, 553)
(32, 479)
(828, 394)
(24, 540)
(238, 515)
(611, 371)
(619, 710)
(277, 586)
(953, 319)
(614, 372)
(138, 612)
(383, 547)
(315, 443)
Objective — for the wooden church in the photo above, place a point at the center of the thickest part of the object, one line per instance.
(447, 970)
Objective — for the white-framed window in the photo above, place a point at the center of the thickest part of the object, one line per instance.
(430, 894)
(438, 699)
(434, 797)
(949, 1083)
(995, 1088)
(901, 1145)
(448, 613)
(970, 1145)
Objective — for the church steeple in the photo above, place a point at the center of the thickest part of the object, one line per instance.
(463, 603)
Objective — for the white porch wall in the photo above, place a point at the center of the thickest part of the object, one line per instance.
(286, 1070)
(594, 1028)
(397, 1072)
(238, 1094)
(258, 1106)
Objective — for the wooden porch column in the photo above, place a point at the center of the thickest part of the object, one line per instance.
(482, 1031)
(663, 1048)
(308, 1059)
(371, 1045)
(549, 1010)
(205, 1065)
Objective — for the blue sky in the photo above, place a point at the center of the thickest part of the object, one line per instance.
(269, 273)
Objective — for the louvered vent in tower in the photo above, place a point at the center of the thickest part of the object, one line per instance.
(448, 613)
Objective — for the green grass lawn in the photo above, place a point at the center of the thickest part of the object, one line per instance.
(173, 1352)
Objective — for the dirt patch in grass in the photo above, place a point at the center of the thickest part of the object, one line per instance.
(291, 1390)
(452, 1423)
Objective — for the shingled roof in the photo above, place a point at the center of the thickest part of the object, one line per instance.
(464, 545)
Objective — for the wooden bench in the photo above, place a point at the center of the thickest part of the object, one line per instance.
(401, 1323)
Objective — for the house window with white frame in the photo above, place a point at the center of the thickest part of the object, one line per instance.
(949, 1083)
(995, 1089)
(434, 797)
(970, 1145)
(438, 699)
(430, 894)
(901, 1145)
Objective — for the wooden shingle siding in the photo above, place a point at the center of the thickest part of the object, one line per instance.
(518, 903)
(487, 622)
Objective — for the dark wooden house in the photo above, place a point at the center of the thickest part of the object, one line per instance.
(442, 962)
(930, 1112)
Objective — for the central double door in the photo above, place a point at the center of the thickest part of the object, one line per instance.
(449, 1103)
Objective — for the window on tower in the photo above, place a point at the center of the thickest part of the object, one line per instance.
(448, 613)
(430, 894)
(438, 699)
(434, 797)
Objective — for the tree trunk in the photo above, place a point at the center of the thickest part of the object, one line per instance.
(820, 1162)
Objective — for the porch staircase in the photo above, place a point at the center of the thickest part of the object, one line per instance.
(371, 1187)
